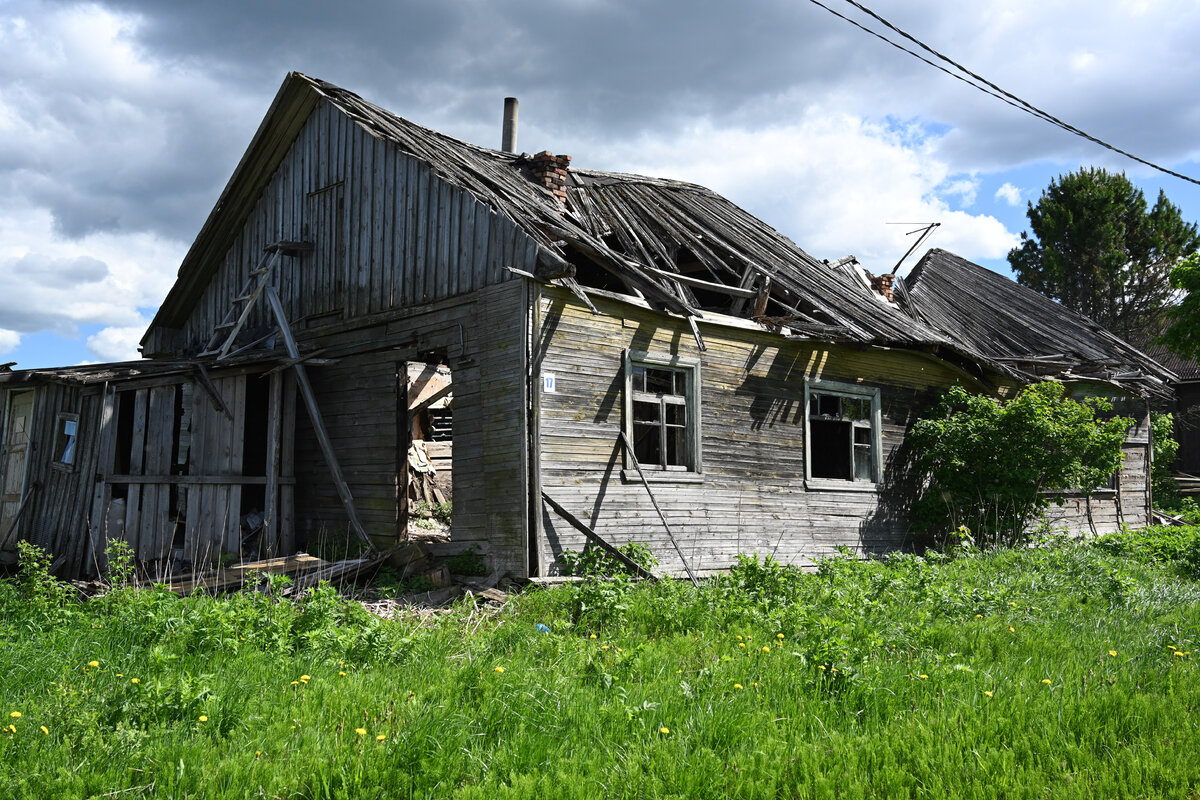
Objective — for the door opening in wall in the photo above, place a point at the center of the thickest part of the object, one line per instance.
(427, 473)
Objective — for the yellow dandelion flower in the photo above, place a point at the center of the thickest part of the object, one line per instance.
(499, 669)
(678, 672)
(361, 731)
(11, 728)
(15, 715)
(979, 616)
(755, 684)
(342, 674)
(305, 678)
(833, 669)
(737, 686)
(603, 647)
(203, 718)
(1011, 629)
(989, 694)
(779, 636)
(1179, 654)
(1014, 605)
(664, 730)
(1112, 653)
(593, 636)
(295, 683)
(257, 753)
(135, 681)
(923, 676)
(44, 729)
(1046, 681)
(93, 663)
(821, 667)
(739, 638)
(766, 648)
(380, 737)
(741, 644)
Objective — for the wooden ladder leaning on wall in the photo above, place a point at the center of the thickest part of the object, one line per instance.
(239, 310)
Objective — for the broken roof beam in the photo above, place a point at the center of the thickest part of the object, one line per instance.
(629, 272)
(703, 284)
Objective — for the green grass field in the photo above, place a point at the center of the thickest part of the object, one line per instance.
(1066, 671)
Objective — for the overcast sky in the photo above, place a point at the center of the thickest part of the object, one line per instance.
(121, 121)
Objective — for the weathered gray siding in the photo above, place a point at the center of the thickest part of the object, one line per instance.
(752, 497)
(387, 233)
(56, 518)
(483, 338)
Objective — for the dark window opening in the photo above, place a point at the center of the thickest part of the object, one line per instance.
(842, 437)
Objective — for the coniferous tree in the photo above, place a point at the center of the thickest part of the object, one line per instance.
(1096, 248)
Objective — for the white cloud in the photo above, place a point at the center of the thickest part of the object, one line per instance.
(966, 188)
(52, 284)
(832, 182)
(117, 344)
(1009, 194)
(8, 341)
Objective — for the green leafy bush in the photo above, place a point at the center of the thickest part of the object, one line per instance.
(992, 465)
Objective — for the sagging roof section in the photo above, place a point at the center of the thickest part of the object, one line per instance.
(1031, 334)
(681, 247)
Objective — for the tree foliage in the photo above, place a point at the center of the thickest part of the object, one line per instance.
(990, 464)
(1183, 332)
(1097, 249)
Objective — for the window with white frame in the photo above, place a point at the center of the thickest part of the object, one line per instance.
(843, 437)
(662, 411)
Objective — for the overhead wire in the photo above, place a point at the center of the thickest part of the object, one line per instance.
(981, 84)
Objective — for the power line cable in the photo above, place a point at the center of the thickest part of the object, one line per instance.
(986, 86)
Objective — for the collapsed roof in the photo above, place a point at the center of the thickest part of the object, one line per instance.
(685, 249)
(1033, 335)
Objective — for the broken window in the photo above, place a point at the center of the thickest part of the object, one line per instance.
(843, 432)
(662, 414)
(66, 429)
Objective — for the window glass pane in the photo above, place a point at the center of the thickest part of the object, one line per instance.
(826, 405)
(660, 381)
(646, 411)
(639, 379)
(647, 445)
(863, 464)
(677, 450)
(676, 413)
(69, 427)
(862, 435)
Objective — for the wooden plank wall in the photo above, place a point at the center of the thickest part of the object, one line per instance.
(214, 509)
(404, 237)
(482, 336)
(752, 497)
(57, 517)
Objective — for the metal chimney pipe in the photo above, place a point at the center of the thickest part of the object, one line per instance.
(509, 141)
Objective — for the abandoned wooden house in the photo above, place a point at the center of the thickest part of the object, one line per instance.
(377, 318)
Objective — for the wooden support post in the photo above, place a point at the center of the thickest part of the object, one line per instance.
(269, 539)
(314, 413)
(595, 539)
(663, 517)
